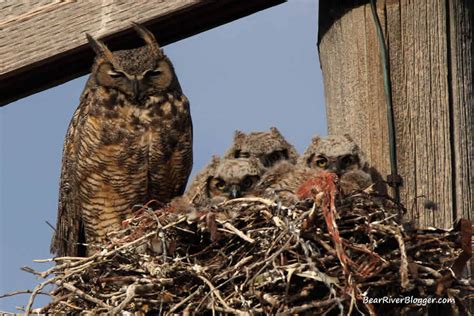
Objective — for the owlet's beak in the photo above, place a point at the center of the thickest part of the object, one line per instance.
(333, 168)
(234, 191)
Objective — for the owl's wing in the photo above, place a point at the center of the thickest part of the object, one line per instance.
(69, 223)
(181, 161)
(171, 158)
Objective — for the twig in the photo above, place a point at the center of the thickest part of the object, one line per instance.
(82, 294)
(22, 292)
(102, 254)
(184, 301)
(250, 199)
(35, 292)
(305, 307)
(405, 282)
(219, 297)
(130, 295)
(56, 259)
(238, 232)
(71, 305)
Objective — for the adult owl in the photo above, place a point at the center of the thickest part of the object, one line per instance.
(129, 141)
(341, 155)
(270, 147)
(226, 179)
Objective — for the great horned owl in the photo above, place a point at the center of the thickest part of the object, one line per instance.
(283, 181)
(270, 147)
(129, 141)
(225, 179)
(195, 192)
(341, 155)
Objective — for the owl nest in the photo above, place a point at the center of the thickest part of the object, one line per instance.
(327, 254)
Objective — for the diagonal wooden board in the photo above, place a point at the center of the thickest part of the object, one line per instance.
(42, 43)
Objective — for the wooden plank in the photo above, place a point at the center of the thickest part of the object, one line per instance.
(461, 15)
(431, 50)
(42, 43)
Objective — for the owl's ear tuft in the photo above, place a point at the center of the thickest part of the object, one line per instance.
(238, 135)
(315, 140)
(99, 48)
(308, 155)
(214, 161)
(275, 131)
(149, 38)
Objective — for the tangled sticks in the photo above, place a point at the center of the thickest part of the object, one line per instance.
(254, 256)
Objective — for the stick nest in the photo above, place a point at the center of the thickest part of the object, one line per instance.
(326, 254)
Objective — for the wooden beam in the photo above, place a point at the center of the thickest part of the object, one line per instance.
(431, 53)
(43, 44)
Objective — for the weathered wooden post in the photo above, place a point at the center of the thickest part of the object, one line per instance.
(431, 52)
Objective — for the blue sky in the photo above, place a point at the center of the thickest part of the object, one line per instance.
(250, 74)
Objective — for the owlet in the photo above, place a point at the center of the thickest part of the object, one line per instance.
(226, 179)
(341, 155)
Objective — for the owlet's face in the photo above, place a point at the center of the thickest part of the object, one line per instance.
(338, 154)
(234, 178)
(137, 73)
(269, 147)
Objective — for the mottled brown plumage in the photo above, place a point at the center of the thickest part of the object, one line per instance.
(341, 155)
(270, 147)
(129, 141)
(224, 179)
(282, 181)
(195, 192)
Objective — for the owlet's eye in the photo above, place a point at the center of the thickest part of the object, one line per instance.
(274, 156)
(247, 182)
(220, 185)
(322, 163)
(346, 161)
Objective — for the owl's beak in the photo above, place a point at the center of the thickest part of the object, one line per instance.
(135, 89)
(334, 168)
(234, 191)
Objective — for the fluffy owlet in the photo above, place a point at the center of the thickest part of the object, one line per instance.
(283, 181)
(129, 141)
(341, 155)
(226, 179)
(270, 147)
(195, 193)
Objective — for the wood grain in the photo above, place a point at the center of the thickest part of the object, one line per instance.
(43, 43)
(431, 63)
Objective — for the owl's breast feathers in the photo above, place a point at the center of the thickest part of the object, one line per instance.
(117, 155)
